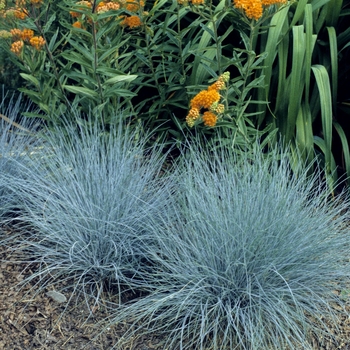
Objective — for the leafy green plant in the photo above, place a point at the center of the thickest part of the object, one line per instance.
(152, 59)
(250, 260)
(301, 79)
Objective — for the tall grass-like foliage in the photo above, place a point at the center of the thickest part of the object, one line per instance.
(84, 205)
(253, 252)
(17, 141)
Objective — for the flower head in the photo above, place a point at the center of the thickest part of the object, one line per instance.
(204, 99)
(131, 21)
(77, 24)
(20, 14)
(254, 9)
(133, 5)
(16, 34)
(17, 47)
(4, 34)
(37, 42)
(27, 34)
(209, 119)
(198, 2)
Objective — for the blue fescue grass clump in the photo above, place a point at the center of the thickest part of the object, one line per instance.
(86, 202)
(251, 260)
(17, 143)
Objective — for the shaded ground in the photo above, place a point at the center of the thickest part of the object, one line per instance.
(29, 321)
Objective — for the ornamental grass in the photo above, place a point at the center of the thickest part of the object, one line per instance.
(253, 252)
(84, 205)
(17, 142)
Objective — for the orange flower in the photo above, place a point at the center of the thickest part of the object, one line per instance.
(197, 2)
(16, 33)
(272, 2)
(218, 108)
(253, 9)
(20, 4)
(74, 14)
(132, 22)
(77, 24)
(204, 99)
(209, 119)
(112, 6)
(37, 42)
(20, 14)
(134, 6)
(104, 7)
(36, 2)
(27, 34)
(17, 47)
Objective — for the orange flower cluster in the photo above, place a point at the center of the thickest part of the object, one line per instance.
(20, 14)
(254, 9)
(19, 37)
(17, 47)
(37, 42)
(131, 21)
(208, 99)
(194, 2)
(105, 6)
(134, 6)
(18, 34)
(27, 34)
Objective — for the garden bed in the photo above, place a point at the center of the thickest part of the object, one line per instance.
(36, 321)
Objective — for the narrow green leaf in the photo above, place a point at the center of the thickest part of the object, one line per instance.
(324, 89)
(49, 22)
(120, 78)
(331, 167)
(333, 11)
(345, 148)
(333, 50)
(297, 81)
(316, 4)
(81, 91)
(31, 79)
(298, 12)
(304, 132)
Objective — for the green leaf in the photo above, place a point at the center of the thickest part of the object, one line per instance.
(297, 81)
(120, 78)
(345, 148)
(30, 78)
(324, 89)
(49, 23)
(333, 49)
(81, 91)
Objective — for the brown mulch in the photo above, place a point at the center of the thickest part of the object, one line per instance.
(32, 320)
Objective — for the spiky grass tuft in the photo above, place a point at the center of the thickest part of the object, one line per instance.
(17, 142)
(85, 203)
(251, 260)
